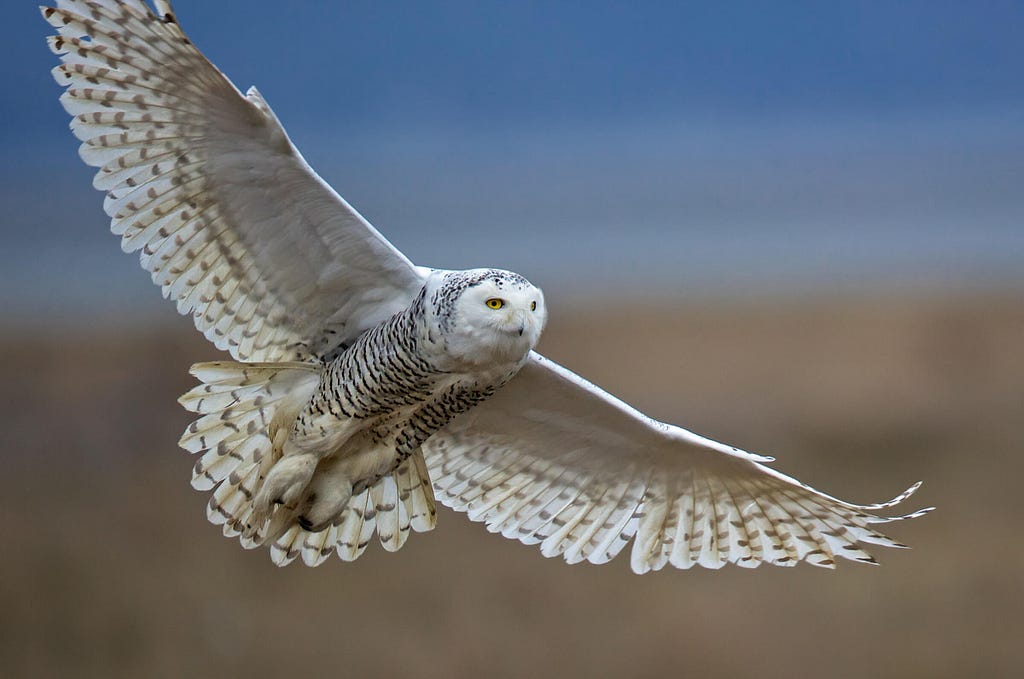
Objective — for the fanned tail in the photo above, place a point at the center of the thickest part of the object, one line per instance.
(247, 411)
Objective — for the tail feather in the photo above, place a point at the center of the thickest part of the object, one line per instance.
(317, 547)
(389, 514)
(284, 550)
(355, 526)
(414, 484)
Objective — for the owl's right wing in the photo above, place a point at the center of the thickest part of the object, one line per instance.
(553, 459)
(231, 222)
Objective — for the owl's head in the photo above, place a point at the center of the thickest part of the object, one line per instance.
(486, 315)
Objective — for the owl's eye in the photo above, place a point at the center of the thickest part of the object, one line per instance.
(533, 306)
(495, 303)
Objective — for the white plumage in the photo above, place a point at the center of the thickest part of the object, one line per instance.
(362, 385)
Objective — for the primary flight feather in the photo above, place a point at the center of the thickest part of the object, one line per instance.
(364, 386)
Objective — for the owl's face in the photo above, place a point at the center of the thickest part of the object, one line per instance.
(489, 315)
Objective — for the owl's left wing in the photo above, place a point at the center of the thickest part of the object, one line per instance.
(554, 460)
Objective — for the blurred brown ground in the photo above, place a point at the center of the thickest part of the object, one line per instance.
(109, 567)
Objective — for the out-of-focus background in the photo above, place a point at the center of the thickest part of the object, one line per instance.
(795, 227)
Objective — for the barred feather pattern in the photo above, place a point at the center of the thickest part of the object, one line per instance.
(387, 382)
(741, 512)
(204, 184)
(247, 412)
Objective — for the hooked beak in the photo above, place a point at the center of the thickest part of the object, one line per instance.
(517, 322)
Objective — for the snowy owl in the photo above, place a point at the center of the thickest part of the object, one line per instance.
(362, 386)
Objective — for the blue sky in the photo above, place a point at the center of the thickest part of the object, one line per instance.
(661, 146)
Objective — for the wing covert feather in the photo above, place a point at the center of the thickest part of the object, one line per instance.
(228, 217)
(553, 460)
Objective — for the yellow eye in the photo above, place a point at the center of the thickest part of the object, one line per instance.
(533, 306)
(495, 303)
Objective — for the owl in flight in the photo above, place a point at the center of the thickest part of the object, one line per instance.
(364, 386)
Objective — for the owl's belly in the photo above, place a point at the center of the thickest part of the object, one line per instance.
(370, 413)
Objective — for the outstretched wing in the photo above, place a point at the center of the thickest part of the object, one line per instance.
(554, 460)
(231, 222)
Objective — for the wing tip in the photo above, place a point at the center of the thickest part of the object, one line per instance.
(892, 503)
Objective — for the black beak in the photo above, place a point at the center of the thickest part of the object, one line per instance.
(521, 328)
